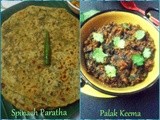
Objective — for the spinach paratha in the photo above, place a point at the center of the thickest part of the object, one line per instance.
(23, 68)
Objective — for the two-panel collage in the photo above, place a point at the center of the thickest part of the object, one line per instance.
(86, 59)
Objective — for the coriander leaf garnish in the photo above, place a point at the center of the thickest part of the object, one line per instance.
(98, 55)
(126, 26)
(146, 52)
(119, 43)
(139, 34)
(98, 37)
(138, 59)
(110, 70)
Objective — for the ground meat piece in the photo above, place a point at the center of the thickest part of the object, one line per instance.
(91, 46)
(149, 65)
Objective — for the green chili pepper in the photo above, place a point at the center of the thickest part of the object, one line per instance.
(47, 49)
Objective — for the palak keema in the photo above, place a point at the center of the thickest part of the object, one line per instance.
(26, 81)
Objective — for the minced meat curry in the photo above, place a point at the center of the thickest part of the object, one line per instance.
(119, 55)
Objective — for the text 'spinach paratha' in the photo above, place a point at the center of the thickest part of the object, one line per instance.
(23, 68)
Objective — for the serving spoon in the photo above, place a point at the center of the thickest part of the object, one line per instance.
(130, 5)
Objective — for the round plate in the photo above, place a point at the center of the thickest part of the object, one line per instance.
(72, 109)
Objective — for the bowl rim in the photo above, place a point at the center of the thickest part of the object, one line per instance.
(106, 91)
(118, 10)
(69, 2)
(114, 93)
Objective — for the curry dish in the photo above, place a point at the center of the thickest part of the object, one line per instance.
(119, 55)
(76, 3)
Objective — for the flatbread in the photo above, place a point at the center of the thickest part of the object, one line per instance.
(23, 68)
(19, 101)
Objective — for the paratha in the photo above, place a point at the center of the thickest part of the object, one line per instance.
(20, 101)
(23, 68)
